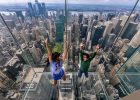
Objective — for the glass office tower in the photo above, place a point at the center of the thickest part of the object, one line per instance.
(129, 73)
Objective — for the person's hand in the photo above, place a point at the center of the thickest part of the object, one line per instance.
(81, 46)
(97, 47)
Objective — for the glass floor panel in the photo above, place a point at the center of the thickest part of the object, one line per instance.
(90, 88)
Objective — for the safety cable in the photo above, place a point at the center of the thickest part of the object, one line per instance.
(122, 29)
(66, 19)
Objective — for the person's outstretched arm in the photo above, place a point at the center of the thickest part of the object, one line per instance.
(94, 54)
(81, 51)
(48, 51)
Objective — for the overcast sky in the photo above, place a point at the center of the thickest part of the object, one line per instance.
(126, 2)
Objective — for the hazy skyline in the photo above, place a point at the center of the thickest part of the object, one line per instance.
(117, 2)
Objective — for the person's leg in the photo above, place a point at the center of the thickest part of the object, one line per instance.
(55, 82)
(86, 74)
(79, 73)
(64, 77)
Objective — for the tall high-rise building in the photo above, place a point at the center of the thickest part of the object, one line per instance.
(7, 36)
(130, 50)
(20, 56)
(84, 31)
(97, 33)
(94, 23)
(38, 8)
(25, 36)
(108, 41)
(69, 34)
(90, 24)
(76, 31)
(133, 45)
(31, 10)
(116, 25)
(16, 33)
(130, 30)
(59, 31)
(101, 16)
(129, 73)
(27, 56)
(2, 59)
(96, 17)
(88, 37)
(59, 25)
(20, 15)
(5, 81)
(36, 53)
(110, 16)
(11, 23)
(50, 28)
(136, 18)
(86, 21)
(108, 29)
(64, 90)
(80, 20)
(124, 19)
(135, 42)
(44, 12)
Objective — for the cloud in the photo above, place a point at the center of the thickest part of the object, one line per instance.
(74, 1)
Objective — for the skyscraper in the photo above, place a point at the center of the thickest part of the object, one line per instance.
(135, 42)
(88, 37)
(84, 31)
(133, 45)
(7, 36)
(5, 81)
(129, 72)
(116, 25)
(80, 20)
(27, 56)
(11, 23)
(86, 21)
(36, 53)
(50, 27)
(108, 29)
(76, 31)
(108, 41)
(96, 17)
(31, 10)
(90, 23)
(101, 15)
(59, 31)
(20, 15)
(130, 30)
(25, 36)
(110, 16)
(97, 33)
(124, 19)
(136, 18)
(69, 34)
(38, 8)
(44, 12)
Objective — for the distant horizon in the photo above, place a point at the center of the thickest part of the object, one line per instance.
(4, 4)
(83, 2)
